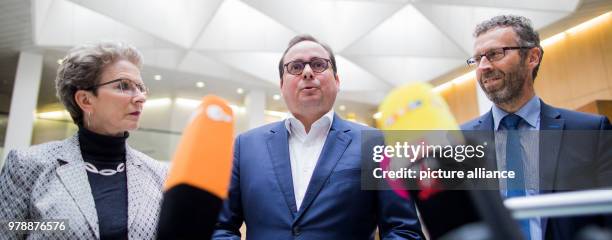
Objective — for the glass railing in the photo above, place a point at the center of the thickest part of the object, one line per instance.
(578, 203)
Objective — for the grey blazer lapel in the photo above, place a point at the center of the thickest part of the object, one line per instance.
(73, 176)
(135, 184)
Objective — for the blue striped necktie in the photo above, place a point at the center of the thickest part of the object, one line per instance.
(514, 162)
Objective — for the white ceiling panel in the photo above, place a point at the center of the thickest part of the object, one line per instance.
(338, 23)
(354, 78)
(544, 5)
(403, 70)
(198, 63)
(239, 27)
(68, 24)
(407, 32)
(458, 22)
(380, 44)
(167, 58)
(263, 65)
(179, 22)
(40, 8)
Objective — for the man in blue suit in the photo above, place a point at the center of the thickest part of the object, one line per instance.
(300, 178)
(507, 57)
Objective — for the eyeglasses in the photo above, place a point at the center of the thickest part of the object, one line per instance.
(492, 55)
(124, 86)
(318, 65)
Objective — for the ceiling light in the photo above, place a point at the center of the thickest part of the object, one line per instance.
(237, 109)
(157, 102)
(342, 107)
(552, 40)
(276, 114)
(377, 115)
(240, 91)
(200, 84)
(590, 23)
(54, 115)
(276, 97)
(189, 103)
(157, 77)
(459, 80)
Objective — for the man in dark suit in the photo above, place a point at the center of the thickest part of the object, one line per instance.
(300, 177)
(507, 56)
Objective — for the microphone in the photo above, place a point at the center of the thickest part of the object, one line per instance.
(415, 107)
(414, 113)
(446, 213)
(200, 173)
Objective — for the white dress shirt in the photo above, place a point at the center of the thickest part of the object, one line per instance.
(305, 149)
(530, 150)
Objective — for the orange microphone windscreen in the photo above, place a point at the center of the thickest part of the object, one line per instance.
(203, 158)
(200, 173)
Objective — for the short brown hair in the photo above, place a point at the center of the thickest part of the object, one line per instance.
(82, 67)
(523, 29)
(305, 37)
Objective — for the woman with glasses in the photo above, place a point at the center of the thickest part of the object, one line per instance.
(91, 185)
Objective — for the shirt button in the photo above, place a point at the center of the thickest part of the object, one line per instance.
(296, 231)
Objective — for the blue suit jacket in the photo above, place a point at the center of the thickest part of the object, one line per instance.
(334, 206)
(559, 169)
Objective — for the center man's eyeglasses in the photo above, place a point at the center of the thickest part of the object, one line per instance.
(318, 65)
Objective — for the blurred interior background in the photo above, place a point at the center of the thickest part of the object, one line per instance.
(231, 48)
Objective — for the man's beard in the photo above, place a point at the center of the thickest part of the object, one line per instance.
(511, 85)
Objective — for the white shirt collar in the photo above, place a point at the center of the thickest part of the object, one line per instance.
(295, 126)
(530, 112)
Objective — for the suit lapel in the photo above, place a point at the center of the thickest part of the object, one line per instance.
(73, 176)
(550, 142)
(485, 123)
(135, 184)
(278, 148)
(485, 127)
(336, 143)
(479, 132)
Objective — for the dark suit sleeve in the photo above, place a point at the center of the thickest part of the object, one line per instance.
(14, 194)
(397, 217)
(604, 166)
(231, 218)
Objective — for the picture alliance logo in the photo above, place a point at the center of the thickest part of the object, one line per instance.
(412, 152)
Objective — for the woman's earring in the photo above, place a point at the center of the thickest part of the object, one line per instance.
(88, 119)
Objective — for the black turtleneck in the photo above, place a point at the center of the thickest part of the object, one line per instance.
(109, 192)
